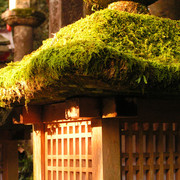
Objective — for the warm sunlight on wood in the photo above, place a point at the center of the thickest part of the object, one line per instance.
(72, 112)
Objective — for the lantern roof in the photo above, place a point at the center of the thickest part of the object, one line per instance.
(106, 53)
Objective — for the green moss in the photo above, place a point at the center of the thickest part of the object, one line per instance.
(26, 12)
(136, 51)
(3, 7)
(129, 6)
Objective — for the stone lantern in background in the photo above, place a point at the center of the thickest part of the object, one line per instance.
(19, 4)
(166, 8)
(22, 18)
(4, 49)
(122, 4)
(162, 8)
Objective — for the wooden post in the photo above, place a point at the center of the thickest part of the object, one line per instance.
(97, 156)
(106, 149)
(38, 152)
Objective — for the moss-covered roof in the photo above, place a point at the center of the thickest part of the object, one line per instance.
(108, 52)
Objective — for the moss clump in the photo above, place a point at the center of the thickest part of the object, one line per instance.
(28, 12)
(136, 51)
(104, 3)
(129, 6)
(23, 12)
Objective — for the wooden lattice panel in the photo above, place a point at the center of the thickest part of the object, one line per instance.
(68, 151)
(150, 151)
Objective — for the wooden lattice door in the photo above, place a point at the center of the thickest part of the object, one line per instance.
(150, 151)
(68, 151)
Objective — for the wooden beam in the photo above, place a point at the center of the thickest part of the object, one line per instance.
(109, 107)
(154, 109)
(87, 107)
(31, 115)
(54, 112)
(73, 108)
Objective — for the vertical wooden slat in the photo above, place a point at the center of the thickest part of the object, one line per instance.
(161, 152)
(140, 152)
(62, 157)
(128, 149)
(51, 157)
(74, 153)
(170, 149)
(150, 149)
(56, 152)
(87, 143)
(80, 153)
(68, 151)
(46, 152)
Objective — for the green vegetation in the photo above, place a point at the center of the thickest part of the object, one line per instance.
(121, 49)
(3, 6)
(28, 12)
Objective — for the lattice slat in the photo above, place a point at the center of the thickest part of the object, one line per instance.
(170, 149)
(139, 147)
(129, 148)
(160, 150)
(150, 150)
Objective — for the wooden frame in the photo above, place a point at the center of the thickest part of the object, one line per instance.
(107, 153)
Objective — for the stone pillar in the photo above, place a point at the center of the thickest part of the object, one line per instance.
(166, 8)
(62, 13)
(22, 18)
(23, 41)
